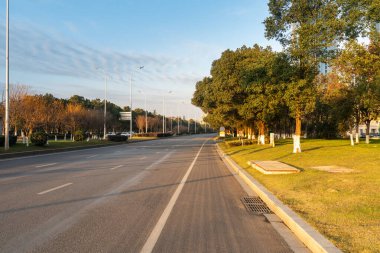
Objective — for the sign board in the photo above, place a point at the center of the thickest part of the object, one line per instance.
(222, 132)
(125, 115)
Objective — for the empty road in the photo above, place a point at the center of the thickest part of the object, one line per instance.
(169, 195)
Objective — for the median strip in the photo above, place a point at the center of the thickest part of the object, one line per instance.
(55, 188)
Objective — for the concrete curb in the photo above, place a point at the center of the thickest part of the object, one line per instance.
(308, 235)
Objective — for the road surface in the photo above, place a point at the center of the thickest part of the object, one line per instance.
(169, 195)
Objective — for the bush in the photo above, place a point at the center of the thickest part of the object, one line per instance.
(117, 138)
(239, 143)
(79, 135)
(39, 138)
(12, 140)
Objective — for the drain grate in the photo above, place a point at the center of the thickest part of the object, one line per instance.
(255, 205)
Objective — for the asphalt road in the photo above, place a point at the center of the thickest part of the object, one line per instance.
(170, 195)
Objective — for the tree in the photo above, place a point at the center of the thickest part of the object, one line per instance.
(359, 68)
(140, 122)
(309, 31)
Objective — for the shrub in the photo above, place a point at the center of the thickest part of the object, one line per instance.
(79, 135)
(38, 138)
(117, 138)
(12, 140)
(239, 143)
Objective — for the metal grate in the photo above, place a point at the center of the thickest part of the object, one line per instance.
(255, 205)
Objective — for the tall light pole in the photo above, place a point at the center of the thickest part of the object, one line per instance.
(105, 102)
(163, 116)
(130, 83)
(146, 113)
(6, 123)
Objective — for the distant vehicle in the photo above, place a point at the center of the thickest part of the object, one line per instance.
(127, 133)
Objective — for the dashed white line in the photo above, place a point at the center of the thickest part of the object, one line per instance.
(45, 165)
(143, 158)
(55, 188)
(91, 156)
(116, 167)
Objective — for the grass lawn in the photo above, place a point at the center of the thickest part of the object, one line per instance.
(19, 147)
(345, 207)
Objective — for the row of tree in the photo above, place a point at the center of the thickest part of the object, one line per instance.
(30, 113)
(259, 90)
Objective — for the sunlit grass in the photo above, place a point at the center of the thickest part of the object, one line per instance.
(20, 147)
(345, 207)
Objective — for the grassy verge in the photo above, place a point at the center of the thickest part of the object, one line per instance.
(19, 147)
(345, 207)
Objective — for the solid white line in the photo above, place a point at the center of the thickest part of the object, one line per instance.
(114, 168)
(45, 165)
(156, 232)
(55, 188)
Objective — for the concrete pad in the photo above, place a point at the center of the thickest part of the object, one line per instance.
(334, 169)
(273, 167)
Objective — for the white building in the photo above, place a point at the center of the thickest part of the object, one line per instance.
(373, 129)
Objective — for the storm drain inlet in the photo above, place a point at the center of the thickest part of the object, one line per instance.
(255, 205)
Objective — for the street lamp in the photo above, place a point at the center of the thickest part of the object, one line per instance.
(146, 113)
(105, 101)
(6, 120)
(163, 116)
(130, 82)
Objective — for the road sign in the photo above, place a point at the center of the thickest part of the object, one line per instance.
(125, 116)
(222, 132)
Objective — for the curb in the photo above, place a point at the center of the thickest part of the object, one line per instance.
(313, 240)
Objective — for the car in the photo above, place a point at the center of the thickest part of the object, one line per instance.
(126, 134)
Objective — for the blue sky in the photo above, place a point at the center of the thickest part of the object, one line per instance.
(56, 46)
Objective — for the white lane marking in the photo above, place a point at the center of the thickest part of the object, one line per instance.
(91, 156)
(159, 161)
(156, 232)
(116, 167)
(143, 158)
(45, 165)
(158, 152)
(12, 178)
(55, 188)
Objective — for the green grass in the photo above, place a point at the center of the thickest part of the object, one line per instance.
(19, 147)
(345, 207)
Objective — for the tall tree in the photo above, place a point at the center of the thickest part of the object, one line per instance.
(309, 31)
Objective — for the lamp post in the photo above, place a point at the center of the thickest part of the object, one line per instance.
(105, 102)
(130, 83)
(6, 120)
(146, 113)
(163, 116)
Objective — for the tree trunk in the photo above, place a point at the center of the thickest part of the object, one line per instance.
(368, 125)
(261, 138)
(297, 136)
(357, 129)
(351, 136)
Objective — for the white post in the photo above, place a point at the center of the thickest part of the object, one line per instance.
(272, 139)
(6, 141)
(55, 138)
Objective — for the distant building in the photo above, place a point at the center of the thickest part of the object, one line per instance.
(373, 128)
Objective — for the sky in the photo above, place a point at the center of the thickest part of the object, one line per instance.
(66, 47)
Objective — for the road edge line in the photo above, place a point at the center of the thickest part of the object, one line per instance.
(313, 240)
